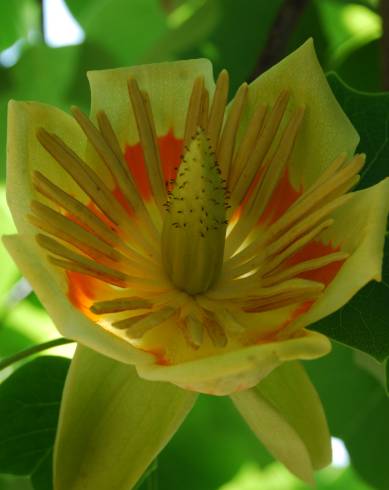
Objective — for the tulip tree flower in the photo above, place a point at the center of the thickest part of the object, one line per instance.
(186, 244)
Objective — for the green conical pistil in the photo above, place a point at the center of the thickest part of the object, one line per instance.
(195, 224)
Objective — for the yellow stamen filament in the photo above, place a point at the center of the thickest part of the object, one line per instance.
(119, 305)
(203, 119)
(307, 265)
(91, 269)
(215, 331)
(85, 216)
(78, 263)
(193, 331)
(274, 260)
(218, 106)
(267, 261)
(247, 145)
(328, 190)
(194, 110)
(83, 175)
(225, 150)
(147, 136)
(113, 164)
(138, 326)
(264, 143)
(290, 234)
(260, 253)
(287, 299)
(95, 188)
(74, 207)
(328, 172)
(58, 225)
(126, 184)
(260, 197)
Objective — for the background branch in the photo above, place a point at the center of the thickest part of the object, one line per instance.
(279, 35)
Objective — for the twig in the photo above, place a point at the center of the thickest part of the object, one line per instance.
(276, 44)
(8, 361)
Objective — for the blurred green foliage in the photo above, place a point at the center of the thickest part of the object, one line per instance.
(214, 449)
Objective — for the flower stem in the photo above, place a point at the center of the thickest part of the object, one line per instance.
(8, 361)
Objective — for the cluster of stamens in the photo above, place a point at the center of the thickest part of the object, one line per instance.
(174, 258)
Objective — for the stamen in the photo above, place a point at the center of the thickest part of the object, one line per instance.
(225, 150)
(194, 110)
(215, 331)
(147, 136)
(126, 184)
(61, 227)
(246, 147)
(203, 119)
(308, 265)
(74, 207)
(119, 305)
(137, 327)
(291, 233)
(260, 197)
(82, 174)
(113, 164)
(79, 263)
(216, 115)
(328, 172)
(297, 294)
(193, 331)
(330, 189)
(297, 245)
(264, 143)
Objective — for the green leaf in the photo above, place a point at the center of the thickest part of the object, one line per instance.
(125, 30)
(357, 410)
(29, 407)
(238, 38)
(363, 323)
(210, 447)
(17, 18)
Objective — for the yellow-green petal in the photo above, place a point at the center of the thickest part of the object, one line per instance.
(359, 229)
(25, 154)
(71, 322)
(112, 424)
(326, 131)
(238, 370)
(168, 85)
(286, 414)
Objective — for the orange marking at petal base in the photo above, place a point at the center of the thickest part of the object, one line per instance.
(314, 250)
(170, 149)
(160, 356)
(82, 291)
(136, 164)
(120, 197)
(283, 197)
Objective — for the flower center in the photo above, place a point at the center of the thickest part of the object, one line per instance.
(194, 227)
(159, 269)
